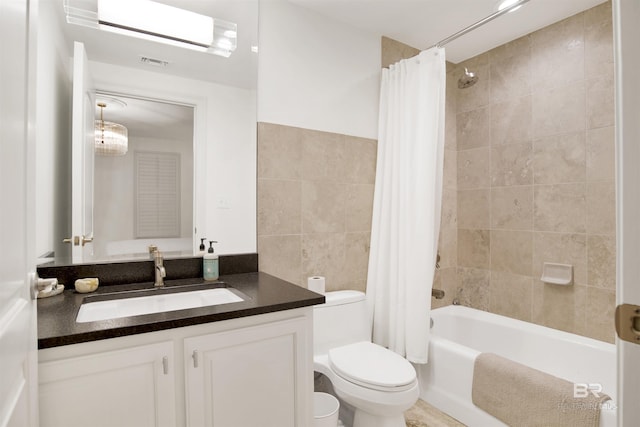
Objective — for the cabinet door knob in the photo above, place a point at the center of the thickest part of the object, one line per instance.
(194, 356)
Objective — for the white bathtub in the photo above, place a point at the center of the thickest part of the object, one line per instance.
(460, 333)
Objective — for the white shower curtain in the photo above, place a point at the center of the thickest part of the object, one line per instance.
(407, 203)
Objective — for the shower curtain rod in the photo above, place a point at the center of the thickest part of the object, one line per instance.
(479, 23)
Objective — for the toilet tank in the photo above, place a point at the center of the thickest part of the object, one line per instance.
(341, 320)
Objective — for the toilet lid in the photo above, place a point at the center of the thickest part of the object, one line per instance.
(372, 366)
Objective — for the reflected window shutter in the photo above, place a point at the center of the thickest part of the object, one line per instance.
(157, 201)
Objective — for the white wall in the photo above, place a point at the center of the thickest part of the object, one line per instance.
(225, 155)
(53, 135)
(316, 73)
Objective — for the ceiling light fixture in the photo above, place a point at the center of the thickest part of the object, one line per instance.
(156, 21)
(506, 3)
(111, 138)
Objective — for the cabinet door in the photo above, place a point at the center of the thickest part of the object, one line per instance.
(131, 387)
(255, 376)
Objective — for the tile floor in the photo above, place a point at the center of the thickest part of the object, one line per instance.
(424, 415)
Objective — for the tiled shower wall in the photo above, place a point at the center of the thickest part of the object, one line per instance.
(315, 198)
(535, 176)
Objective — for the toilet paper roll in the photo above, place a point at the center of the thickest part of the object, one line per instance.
(316, 284)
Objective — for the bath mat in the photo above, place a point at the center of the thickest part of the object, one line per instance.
(522, 396)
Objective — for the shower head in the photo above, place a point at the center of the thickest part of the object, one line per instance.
(467, 80)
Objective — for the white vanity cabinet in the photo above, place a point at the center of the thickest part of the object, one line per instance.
(128, 387)
(250, 371)
(247, 377)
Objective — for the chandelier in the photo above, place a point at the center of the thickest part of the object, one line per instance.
(111, 138)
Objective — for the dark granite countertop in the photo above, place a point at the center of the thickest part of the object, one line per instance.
(57, 324)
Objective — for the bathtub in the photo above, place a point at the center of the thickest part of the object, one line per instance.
(460, 333)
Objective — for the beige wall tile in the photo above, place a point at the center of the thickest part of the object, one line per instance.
(512, 207)
(600, 102)
(473, 129)
(450, 169)
(393, 51)
(601, 162)
(448, 247)
(598, 41)
(510, 75)
(357, 247)
(323, 156)
(450, 110)
(478, 95)
(473, 248)
(511, 165)
(281, 256)
(601, 305)
(598, 14)
(601, 207)
(560, 61)
(279, 151)
(359, 159)
(511, 295)
(560, 208)
(562, 32)
(559, 159)
(359, 207)
(279, 205)
(447, 244)
(511, 121)
(561, 248)
(474, 209)
(473, 288)
(323, 207)
(601, 257)
(512, 251)
(560, 110)
(474, 168)
(560, 307)
(518, 47)
(324, 254)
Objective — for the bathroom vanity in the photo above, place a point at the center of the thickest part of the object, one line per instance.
(238, 364)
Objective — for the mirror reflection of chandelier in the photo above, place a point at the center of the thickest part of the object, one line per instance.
(111, 138)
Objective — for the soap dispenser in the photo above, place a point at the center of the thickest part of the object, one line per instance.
(210, 263)
(202, 249)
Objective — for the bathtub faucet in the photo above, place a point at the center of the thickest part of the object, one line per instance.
(437, 293)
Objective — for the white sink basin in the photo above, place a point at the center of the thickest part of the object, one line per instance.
(125, 307)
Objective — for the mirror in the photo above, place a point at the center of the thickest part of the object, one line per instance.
(219, 93)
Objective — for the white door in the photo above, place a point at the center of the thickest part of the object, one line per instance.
(82, 156)
(18, 352)
(627, 56)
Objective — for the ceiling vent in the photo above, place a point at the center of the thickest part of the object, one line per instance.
(153, 61)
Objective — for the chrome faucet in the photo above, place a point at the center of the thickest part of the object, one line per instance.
(159, 268)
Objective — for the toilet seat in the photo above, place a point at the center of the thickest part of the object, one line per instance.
(372, 366)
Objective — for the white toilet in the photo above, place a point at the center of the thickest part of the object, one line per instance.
(377, 382)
